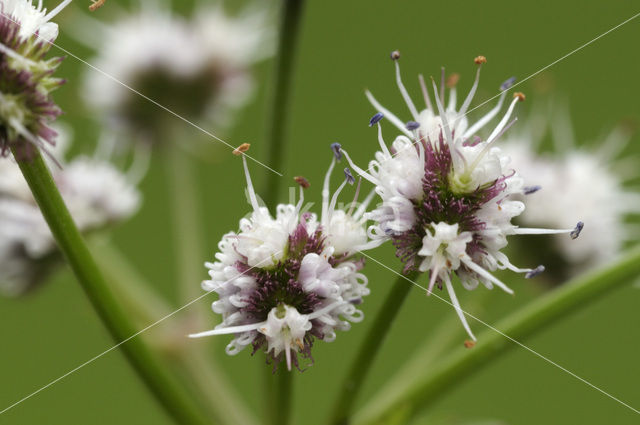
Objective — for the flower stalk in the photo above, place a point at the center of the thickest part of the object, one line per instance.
(276, 147)
(374, 339)
(162, 385)
(429, 384)
(287, 40)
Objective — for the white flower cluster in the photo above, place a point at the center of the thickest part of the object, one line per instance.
(286, 280)
(447, 194)
(96, 193)
(197, 68)
(592, 183)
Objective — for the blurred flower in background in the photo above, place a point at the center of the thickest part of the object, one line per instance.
(587, 178)
(26, 81)
(284, 281)
(198, 67)
(97, 194)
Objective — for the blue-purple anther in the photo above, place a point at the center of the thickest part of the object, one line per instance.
(336, 148)
(412, 125)
(347, 174)
(535, 272)
(507, 84)
(576, 232)
(376, 119)
(528, 190)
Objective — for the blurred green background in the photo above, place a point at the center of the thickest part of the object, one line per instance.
(344, 48)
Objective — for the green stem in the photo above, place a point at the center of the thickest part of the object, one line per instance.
(435, 345)
(209, 385)
(164, 388)
(182, 189)
(366, 355)
(128, 284)
(276, 146)
(291, 15)
(430, 383)
(282, 382)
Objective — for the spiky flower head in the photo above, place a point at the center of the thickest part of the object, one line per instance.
(197, 67)
(26, 80)
(447, 194)
(593, 177)
(287, 280)
(97, 194)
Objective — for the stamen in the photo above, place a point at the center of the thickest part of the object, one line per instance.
(520, 96)
(425, 93)
(445, 123)
(325, 191)
(528, 190)
(347, 174)
(97, 4)
(359, 170)
(335, 147)
(452, 80)
(485, 119)
(482, 272)
(241, 149)
(469, 344)
(395, 55)
(383, 145)
(376, 119)
(388, 114)
(412, 125)
(474, 87)
(252, 193)
(496, 131)
(576, 232)
(537, 231)
(507, 84)
(355, 197)
(229, 330)
(456, 306)
(403, 90)
(442, 85)
(304, 183)
(56, 10)
(535, 272)
(479, 60)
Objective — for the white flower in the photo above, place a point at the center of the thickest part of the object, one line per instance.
(446, 193)
(33, 19)
(286, 281)
(198, 68)
(96, 194)
(26, 81)
(590, 181)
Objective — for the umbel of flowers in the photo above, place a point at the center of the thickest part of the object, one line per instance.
(446, 193)
(26, 81)
(284, 281)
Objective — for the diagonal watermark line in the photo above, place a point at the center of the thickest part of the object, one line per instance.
(531, 350)
(114, 79)
(91, 360)
(577, 49)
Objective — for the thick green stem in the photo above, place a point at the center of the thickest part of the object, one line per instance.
(207, 383)
(169, 394)
(276, 140)
(369, 349)
(428, 384)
